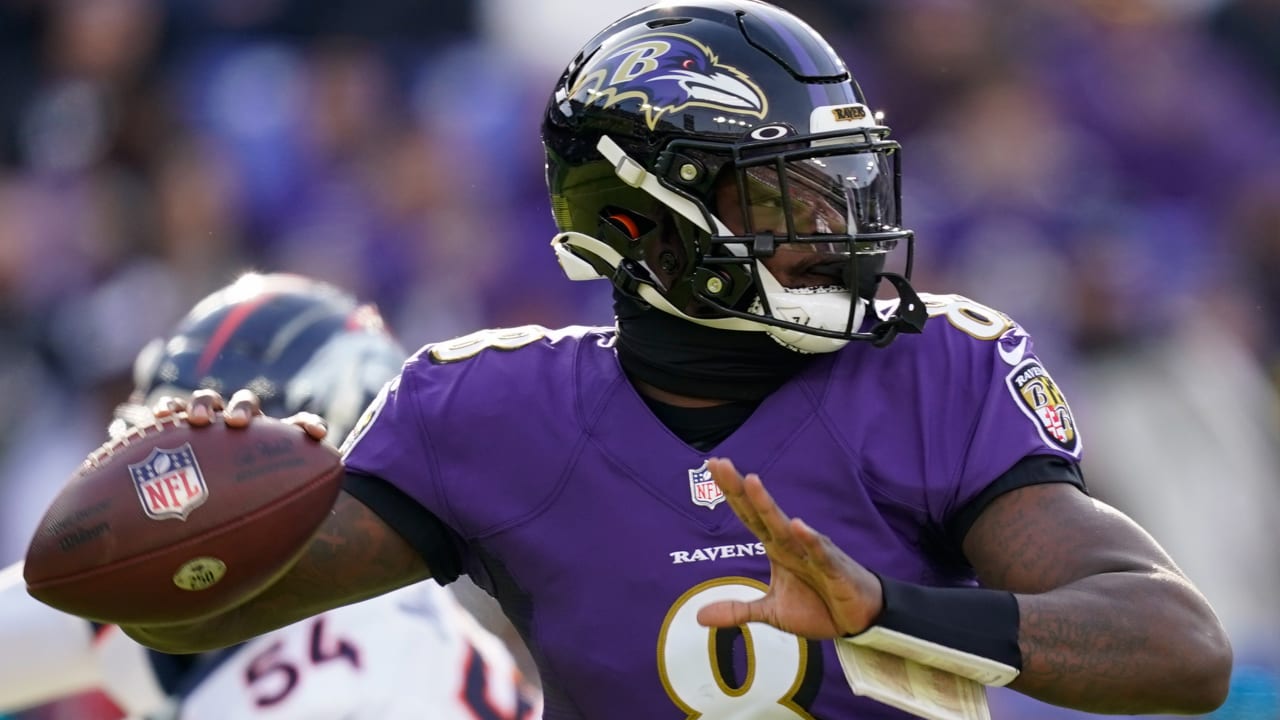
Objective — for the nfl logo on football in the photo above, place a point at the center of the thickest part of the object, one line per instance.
(703, 489)
(169, 483)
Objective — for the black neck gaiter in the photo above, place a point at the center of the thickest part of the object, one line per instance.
(688, 359)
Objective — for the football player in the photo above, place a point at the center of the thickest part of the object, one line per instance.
(716, 162)
(413, 653)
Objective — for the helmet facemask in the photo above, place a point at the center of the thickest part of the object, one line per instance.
(778, 233)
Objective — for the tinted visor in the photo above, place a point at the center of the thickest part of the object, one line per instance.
(801, 199)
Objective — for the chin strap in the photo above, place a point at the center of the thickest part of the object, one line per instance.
(909, 316)
(822, 310)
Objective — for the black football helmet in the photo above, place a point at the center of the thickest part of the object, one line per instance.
(687, 142)
(299, 344)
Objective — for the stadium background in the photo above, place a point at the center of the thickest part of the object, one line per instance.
(1105, 171)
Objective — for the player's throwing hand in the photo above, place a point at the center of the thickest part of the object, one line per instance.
(239, 411)
(815, 589)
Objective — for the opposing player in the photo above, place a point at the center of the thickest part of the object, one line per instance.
(413, 653)
(715, 160)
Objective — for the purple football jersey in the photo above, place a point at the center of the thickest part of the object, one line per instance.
(532, 445)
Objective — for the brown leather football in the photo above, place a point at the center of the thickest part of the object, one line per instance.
(173, 523)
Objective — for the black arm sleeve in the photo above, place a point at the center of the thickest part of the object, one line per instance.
(1030, 470)
(436, 542)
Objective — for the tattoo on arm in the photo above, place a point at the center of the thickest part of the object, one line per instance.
(1107, 620)
(353, 556)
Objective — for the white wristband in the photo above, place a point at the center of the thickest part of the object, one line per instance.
(957, 662)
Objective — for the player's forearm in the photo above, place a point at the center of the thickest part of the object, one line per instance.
(1124, 642)
(299, 595)
(179, 639)
(352, 557)
(288, 601)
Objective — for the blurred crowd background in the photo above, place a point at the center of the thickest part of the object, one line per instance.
(1105, 171)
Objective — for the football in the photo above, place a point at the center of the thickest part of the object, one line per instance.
(172, 523)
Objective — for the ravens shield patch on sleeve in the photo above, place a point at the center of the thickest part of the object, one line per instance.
(1040, 399)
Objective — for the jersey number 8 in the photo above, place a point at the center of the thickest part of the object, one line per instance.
(693, 658)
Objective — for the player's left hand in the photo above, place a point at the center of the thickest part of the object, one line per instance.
(204, 406)
(815, 589)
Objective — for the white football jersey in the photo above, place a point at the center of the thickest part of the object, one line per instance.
(413, 653)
